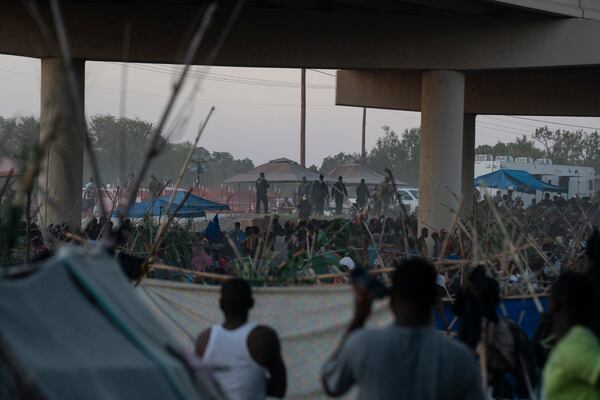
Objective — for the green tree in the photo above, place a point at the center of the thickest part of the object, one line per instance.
(330, 162)
(398, 153)
(521, 147)
(105, 131)
(18, 135)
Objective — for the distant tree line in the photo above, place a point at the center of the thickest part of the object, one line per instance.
(19, 134)
(561, 146)
(398, 152)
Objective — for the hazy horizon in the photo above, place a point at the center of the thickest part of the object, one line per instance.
(257, 109)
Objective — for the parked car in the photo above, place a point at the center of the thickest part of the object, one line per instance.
(410, 198)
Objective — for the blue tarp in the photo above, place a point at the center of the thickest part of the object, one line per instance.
(194, 201)
(521, 311)
(213, 230)
(519, 181)
(158, 208)
(194, 207)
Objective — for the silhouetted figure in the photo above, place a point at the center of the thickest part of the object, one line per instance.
(362, 194)
(261, 193)
(339, 192)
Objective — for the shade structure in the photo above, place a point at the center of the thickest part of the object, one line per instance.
(195, 202)
(158, 208)
(352, 173)
(184, 206)
(280, 170)
(519, 181)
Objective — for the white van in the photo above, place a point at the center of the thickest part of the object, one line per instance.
(409, 197)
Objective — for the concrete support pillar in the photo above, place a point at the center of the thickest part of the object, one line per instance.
(468, 162)
(61, 175)
(440, 165)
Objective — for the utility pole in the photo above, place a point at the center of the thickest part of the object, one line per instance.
(122, 108)
(303, 117)
(364, 135)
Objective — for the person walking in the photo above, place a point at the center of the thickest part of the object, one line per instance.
(246, 356)
(261, 193)
(362, 194)
(339, 192)
(319, 195)
(154, 187)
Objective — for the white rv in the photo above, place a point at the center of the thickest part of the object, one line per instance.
(579, 180)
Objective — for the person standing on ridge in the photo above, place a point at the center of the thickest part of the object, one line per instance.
(319, 195)
(362, 194)
(338, 192)
(303, 189)
(154, 187)
(261, 193)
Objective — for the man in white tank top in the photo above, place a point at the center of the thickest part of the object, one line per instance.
(246, 356)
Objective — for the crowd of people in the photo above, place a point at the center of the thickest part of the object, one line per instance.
(409, 358)
(314, 198)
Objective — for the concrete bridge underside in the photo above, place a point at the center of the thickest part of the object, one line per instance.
(450, 59)
(564, 92)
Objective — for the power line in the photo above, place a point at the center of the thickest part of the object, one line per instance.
(236, 79)
(322, 72)
(166, 96)
(210, 100)
(505, 128)
(555, 123)
(519, 123)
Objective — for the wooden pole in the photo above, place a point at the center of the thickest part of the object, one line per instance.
(363, 152)
(122, 107)
(303, 117)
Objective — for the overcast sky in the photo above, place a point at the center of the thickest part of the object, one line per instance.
(257, 109)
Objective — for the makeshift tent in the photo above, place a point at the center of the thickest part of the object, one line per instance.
(281, 170)
(352, 173)
(195, 202)
(158, 207)
(76, 329)
(519, 181)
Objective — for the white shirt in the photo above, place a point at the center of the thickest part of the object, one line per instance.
(240, 377)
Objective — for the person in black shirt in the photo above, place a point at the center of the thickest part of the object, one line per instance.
(261, 193)
(338, 192)
(362, 194)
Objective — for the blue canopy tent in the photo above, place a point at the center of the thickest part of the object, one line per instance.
(194, 207)
(194, 201)
(158, 207)
(519, 181)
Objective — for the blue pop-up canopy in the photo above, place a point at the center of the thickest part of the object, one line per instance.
(193, 207)
(194, 201)
(158, 207)
(519, 181)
